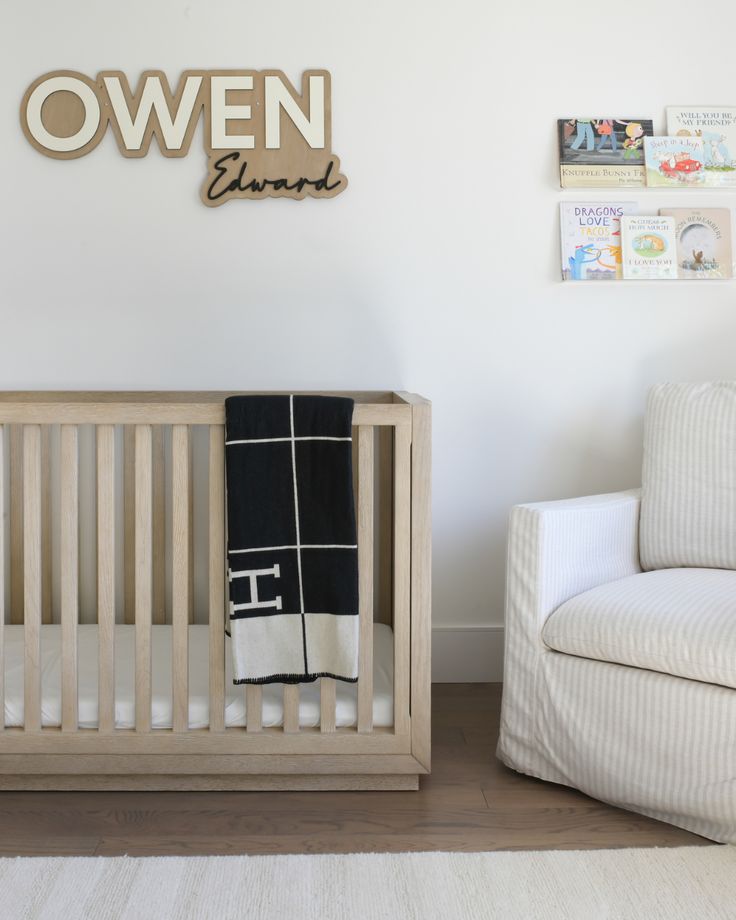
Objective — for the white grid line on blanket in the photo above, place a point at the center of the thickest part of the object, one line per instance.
(298, 535)
(271, 549)
(289, 440)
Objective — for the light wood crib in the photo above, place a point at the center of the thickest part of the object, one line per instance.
(113, 605)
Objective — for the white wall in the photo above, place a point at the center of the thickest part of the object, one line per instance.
(436, 271)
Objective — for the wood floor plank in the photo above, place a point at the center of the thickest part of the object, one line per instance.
(470, 802)
(483, 724)
(448, 736)
(33, 845)
(233, 813)
(472, 840)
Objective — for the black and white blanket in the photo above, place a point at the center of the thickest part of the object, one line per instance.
(292, 553)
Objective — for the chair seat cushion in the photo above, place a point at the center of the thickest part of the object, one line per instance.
(677, 621)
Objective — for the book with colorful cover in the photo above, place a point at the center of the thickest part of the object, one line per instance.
(674, 161)
(703, 242)
(590, 239)
(716, 127)
(649, 247)
(602, 152)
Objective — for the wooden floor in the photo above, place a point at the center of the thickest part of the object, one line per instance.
(470, 802)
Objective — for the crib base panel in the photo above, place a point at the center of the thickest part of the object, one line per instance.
(158, 782)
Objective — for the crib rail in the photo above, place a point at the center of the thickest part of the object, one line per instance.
(143, 450)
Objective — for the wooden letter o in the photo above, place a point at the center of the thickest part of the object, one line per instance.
(79, 142)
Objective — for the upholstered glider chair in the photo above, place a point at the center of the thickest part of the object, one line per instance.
(620, 670)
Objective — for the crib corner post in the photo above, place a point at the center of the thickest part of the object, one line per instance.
(421, 580)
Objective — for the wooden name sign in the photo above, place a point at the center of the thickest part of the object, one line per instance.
(263, 139)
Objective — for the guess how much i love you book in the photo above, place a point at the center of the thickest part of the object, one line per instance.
(590, 236)
(648, 247)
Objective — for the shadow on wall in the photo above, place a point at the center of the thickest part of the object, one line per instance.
(602, 452)
(602, 456)
(260, 339)
(710, 356)
(598, 447)
(330, 341)
(592, 449)
(468, 565)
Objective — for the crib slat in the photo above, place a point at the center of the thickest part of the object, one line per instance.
(216, 577)
(383, 598)
(180, 574)
(3, 430)
(365, 577)
(32, 575)
(159, 525)
(129, 523)
(16, 524)
(327, 702)
(291, 708)
(254, 707)
(421, 581)
(190, 487)
(106, 575)
(69, 565)
(402, 575)
(46, 524)
(143, 576)
(354, 451)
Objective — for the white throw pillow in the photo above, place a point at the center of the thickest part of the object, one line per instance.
(688, 506)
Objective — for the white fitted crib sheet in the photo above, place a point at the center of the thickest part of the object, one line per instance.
(235, 715)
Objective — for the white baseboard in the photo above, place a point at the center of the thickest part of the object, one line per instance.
(467, 654)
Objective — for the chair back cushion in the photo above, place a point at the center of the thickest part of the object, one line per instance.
(688, 505)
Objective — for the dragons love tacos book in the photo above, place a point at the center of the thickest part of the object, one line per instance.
(590, 239)
(602, 152)
(703, 242)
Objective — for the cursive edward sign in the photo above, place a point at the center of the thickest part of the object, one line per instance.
(262, 138)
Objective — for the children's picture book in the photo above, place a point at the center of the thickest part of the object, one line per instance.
(674, 161)
(716, 127)
(590, 239)
(703, 242)
(649, 247)
(602, 152)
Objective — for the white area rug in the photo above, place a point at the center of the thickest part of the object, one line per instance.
(687, 883)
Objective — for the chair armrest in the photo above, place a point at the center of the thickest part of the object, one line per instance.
(559, 549)
(556, 550)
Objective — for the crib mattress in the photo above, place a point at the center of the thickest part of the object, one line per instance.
(161, 708)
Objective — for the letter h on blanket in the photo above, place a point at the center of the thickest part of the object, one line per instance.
(292, 549)
(255, 602)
